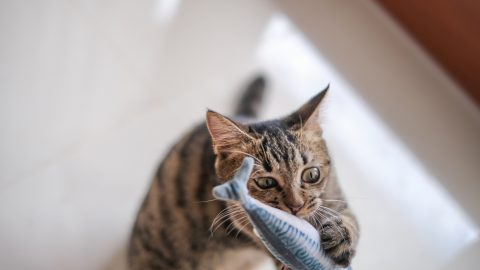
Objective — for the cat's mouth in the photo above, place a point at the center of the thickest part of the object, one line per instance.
(302, 213)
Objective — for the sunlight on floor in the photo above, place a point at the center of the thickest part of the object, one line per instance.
(379, 157)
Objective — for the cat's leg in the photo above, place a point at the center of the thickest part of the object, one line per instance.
(339, 235)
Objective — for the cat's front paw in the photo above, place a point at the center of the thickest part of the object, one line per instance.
(337, 242)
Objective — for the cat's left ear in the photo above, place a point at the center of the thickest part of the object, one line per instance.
(226, 134)
(307, 116)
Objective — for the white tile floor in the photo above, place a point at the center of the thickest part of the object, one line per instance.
(92, 93)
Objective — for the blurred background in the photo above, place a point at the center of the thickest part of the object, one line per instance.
(93, 93)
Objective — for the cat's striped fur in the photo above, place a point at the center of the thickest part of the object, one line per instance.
(180, 226)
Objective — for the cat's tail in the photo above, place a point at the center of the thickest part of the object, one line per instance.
(251, 99)
(236, 188)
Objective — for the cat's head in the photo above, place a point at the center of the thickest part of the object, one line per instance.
(292, 164)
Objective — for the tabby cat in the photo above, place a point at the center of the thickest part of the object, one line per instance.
(181, 226)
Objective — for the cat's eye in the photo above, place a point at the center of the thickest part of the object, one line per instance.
(266, 182)
(311, 175)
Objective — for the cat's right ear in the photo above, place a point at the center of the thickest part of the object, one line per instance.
(226, 134)
(307, 116)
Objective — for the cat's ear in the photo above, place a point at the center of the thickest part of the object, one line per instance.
(307, 116)
(226, 134)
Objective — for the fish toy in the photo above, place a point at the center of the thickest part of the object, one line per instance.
(293, 241)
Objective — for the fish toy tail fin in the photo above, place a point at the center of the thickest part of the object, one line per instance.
(236, 189)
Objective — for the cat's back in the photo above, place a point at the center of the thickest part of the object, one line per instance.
(178, 210)
(172, 228)
(188, 169)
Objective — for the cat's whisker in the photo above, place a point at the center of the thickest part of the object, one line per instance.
(340, 201)
(314, 219)
(320, 207)
(218, 226)
(331, 210)
(220, 216)
(230, 227)
(233, 226)
(230, 213)
(242, 227)
(221, 220)
(318, 220)
(217, 218)
(212, 200)
(333, 200)
(226, 217)
(241, 152)
(235, 214)
(331, 215)
(234, 208)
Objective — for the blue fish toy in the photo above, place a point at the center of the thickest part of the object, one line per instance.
(293, 241)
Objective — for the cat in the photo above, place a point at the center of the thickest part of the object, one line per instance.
(180, 225)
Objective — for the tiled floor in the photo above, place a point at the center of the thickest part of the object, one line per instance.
(92, 93)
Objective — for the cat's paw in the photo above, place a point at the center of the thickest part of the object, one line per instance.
(337, 242)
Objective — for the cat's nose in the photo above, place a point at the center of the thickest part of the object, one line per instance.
(295, 208)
